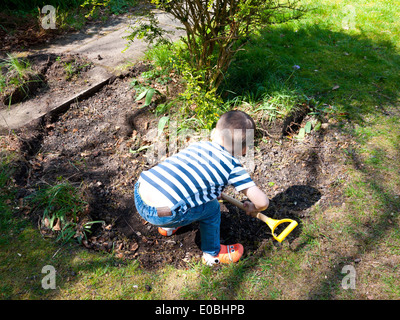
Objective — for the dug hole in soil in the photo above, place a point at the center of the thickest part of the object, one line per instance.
(95, 146)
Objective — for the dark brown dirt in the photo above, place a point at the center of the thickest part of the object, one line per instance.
(89, 145)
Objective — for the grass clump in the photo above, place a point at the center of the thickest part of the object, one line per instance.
(63, 211)
(17, 79)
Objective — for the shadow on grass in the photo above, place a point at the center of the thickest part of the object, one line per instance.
(353, 73)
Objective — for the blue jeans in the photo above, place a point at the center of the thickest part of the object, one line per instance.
(208, 215)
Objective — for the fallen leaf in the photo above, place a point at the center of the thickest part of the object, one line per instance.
(335, 87)
(57, 227)
(46, 222)
(119, 255)
(86, 244)
(134, 246)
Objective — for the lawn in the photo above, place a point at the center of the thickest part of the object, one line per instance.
(343, 54)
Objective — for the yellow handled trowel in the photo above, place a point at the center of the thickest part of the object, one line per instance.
(272, 223)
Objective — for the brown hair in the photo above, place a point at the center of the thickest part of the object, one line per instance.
(234, 126)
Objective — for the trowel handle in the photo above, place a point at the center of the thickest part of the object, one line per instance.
(272, 223)
(235, 202)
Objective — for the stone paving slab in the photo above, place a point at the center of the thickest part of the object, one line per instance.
(108, 41)
(105, 46)
(12, 119)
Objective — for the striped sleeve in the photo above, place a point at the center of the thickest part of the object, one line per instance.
(240, 179)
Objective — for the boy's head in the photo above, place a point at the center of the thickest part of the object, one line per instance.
(235, 131)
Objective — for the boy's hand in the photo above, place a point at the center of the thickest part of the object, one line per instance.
(259, 199)
(249, 207)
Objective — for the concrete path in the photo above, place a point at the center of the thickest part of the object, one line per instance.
(105, 47)
(108, 41)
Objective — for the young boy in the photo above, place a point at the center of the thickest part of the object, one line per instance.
(184, 188)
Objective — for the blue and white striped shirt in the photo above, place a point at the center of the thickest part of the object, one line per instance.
(197, 174)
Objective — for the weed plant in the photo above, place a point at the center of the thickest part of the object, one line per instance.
(63, 207)
(194, 109)
(15, 72)
(17, 79)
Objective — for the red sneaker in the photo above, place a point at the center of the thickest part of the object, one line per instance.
(166, 232)
(228, 254)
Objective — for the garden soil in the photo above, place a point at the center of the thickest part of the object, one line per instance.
(99, 145)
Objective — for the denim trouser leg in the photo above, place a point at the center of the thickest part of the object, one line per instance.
(210, 229)
(208, 215)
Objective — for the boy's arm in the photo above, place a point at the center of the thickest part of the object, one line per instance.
(259, 200)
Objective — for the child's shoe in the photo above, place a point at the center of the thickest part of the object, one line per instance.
(228, 254)
(166, 232)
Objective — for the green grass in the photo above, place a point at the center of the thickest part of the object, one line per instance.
(356, 48)
(23, 7)
(341, 55)
(363, 60)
